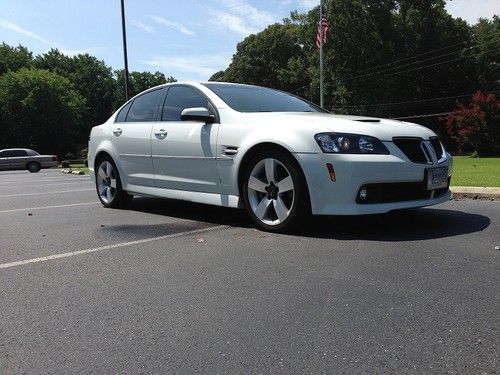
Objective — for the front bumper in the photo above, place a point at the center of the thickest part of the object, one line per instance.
(354, 171)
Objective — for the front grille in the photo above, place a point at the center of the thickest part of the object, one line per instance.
(413, 148)
(399, 192)
(438, 149)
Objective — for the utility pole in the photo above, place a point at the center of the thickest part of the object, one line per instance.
(321, 54)
(124, 33)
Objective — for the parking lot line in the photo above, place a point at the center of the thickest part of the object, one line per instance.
(48, 207)
(108, 247)
(45, 183)
(47, 192)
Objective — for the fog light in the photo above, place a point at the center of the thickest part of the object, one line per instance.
(363, 193)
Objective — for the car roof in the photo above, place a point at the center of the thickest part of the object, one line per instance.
(16, 149)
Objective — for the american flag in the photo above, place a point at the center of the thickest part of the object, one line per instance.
(323, 28)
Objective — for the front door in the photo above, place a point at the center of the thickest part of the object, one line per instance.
(184, 152)
(131, 134)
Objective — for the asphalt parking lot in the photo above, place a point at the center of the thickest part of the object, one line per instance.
(173, 287)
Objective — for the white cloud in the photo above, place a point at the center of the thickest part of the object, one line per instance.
(241, 17)
(232, 22)
(74, 52)
(195, 67)
(142, 26)
(18, 29)
(465, 10)
(249, 12)
(175, 25)
(308, 4)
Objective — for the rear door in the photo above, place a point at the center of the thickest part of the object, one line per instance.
(131, 137)
(184, 152)
(18, 159)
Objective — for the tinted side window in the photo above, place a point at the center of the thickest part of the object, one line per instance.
(19, 153)
(179, 98)
(144, 107)
(122, 115)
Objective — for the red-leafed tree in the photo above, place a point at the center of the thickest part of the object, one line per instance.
(476, 127)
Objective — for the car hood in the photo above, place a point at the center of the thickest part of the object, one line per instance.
(383, 129)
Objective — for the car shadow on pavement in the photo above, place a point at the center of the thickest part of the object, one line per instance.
(191, 211)
(406, 225)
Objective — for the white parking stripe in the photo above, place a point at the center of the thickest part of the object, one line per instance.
(47, 207)
(108, 247)
(47, 192)
(46, 182)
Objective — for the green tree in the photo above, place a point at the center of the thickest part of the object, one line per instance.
(91, 77)
(14, 58)
(41, 110)
(262, 58)
(138, 82)
(487, 42)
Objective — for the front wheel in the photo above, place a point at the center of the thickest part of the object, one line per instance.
(275, 192)
(108, 185)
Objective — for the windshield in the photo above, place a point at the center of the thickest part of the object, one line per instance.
(246, 98)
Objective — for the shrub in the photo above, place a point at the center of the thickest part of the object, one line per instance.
(476, 127)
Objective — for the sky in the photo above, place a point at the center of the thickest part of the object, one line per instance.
(186, 39)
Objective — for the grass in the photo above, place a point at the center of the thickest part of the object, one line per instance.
(468, 171)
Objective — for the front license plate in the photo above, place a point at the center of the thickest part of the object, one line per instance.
(437, 178)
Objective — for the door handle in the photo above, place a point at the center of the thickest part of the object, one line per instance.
(161, 134)
(117, 132)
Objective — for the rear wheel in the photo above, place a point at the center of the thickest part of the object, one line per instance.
(108, 185)
(33, 167)
(275, 192)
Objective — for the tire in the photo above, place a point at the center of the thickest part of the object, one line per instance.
(33, 167)
(109, 186)
(275, 192)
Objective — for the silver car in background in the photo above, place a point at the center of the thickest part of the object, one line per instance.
(24, 158)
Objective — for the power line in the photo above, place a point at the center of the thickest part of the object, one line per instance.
(412, 57)
(426, 53)
(419, 68)
(418, 101)
(422, 116)
(417, 62)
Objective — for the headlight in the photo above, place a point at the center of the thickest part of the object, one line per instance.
(341, 143)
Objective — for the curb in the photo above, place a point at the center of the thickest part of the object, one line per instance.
(69, 171)
(475, 192)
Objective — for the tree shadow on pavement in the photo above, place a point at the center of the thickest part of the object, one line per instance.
(407, 225)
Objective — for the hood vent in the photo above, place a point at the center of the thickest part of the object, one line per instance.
(369, 120)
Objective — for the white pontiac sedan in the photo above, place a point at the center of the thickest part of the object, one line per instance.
(274, 154)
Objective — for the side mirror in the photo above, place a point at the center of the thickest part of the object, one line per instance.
(197, 114)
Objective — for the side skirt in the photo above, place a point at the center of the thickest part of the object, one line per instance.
(223, 200)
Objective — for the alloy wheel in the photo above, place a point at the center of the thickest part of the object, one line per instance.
(271, 191)
(106, 182)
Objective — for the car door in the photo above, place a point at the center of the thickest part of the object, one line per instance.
(18, 159)
(184, 152)
(4, 160)
(131, 137)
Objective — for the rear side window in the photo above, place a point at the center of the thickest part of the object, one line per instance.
(145, 107)
(122, 115)
(18, 153)
(180, 98)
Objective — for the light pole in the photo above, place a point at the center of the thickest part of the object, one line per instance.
(124, 33)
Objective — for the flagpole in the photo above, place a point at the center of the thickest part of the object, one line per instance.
(321, 54)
